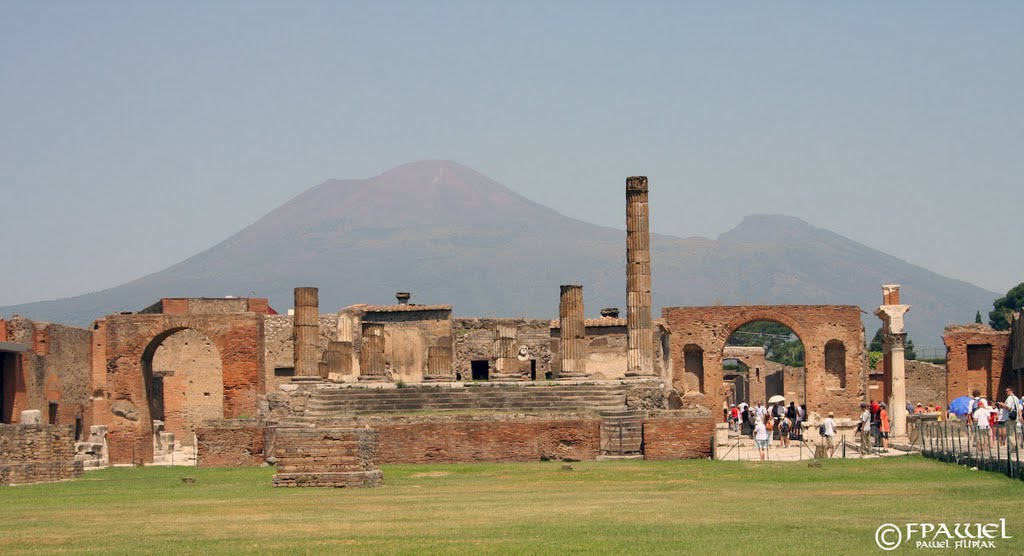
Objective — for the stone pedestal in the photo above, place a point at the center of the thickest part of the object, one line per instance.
(639, 327)
(326, 457)
(572, 333)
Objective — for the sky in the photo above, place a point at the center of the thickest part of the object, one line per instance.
(136, 134)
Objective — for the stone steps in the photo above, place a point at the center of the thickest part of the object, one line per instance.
(365, 401)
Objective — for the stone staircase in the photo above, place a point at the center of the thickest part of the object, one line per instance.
(167, 452)
(93, 452)
(498, 399)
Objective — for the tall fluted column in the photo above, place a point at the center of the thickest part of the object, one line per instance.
(371, 356)
(306, 326)
(439, 364)
(572, 333)
(639, 330)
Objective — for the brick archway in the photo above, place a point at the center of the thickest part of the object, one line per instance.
(131, 342)
(815, 325)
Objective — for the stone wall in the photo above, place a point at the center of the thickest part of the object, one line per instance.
(976, 356)
(56, 370)
(473, 340)
(706, 329)
(678, 437)
(37, 454)
(190, 370)
(926, 383)
(233, 443)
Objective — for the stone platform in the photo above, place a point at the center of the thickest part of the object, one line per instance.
(326, 457)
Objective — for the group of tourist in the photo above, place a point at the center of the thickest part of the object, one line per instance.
(994, 424)
(766, 423)
(874, 426)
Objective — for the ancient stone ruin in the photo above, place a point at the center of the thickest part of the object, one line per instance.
(329, 393)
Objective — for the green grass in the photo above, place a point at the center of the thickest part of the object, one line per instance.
(625, 507)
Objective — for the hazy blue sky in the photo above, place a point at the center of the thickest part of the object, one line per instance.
(135, 134)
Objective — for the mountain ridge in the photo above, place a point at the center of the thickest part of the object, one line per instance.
(452, 235)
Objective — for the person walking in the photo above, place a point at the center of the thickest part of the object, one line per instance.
(1012, 406)
(828, 433)
(785, 430)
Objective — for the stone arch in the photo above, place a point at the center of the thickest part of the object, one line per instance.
(131, 342)
(835, 364)
(184, 376)
(767, 378)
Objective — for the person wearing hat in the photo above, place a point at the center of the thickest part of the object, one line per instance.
(864, 429)
(919, 410)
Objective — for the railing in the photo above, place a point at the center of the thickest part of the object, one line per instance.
(997, 449)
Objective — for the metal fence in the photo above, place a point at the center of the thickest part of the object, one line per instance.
(997, 449)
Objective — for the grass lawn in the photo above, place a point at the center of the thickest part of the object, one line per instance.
(625, 507)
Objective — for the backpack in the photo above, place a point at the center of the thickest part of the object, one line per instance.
(821, 430)
(1013, 412)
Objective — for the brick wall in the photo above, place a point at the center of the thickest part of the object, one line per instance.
(504, 440)
(926, 383)
(678, 438)
(326, 456)
(987, 377)
(37, 454)
(231, 443)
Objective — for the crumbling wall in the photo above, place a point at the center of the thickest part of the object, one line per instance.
(232, 443)
(473, 340)
(965, 371)
(37, 454)
(55, 370)
(926, 383)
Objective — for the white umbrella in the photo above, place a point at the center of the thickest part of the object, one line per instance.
(776, 399)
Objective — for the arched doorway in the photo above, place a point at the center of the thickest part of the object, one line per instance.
(184, 382)
(768, 358)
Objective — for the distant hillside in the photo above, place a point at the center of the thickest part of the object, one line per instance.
(451, 235)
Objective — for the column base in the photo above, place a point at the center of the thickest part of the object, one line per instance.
(572, 376)
(439, 378)
(372, 378)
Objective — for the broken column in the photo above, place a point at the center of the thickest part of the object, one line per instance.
(506, 362)
(891, 312)
(572, 333)
(371, 355)
(306, 326)
(338, 360)
(639, 331)
(439, 364)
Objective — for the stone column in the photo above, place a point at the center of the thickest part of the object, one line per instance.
(572, 333)
(371, 356)
(346, 328)
(338, 359)
(439, 364)
(306, 324)
(891, 312)
(639, 331)
(506, 364)
(898, 401)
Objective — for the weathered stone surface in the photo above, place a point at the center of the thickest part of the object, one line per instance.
(37, 454)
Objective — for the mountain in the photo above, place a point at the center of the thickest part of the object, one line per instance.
(451, 235)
